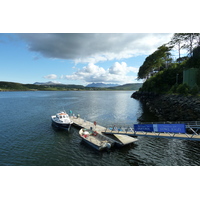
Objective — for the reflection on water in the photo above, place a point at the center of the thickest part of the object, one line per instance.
(112, 107)
(27, 137)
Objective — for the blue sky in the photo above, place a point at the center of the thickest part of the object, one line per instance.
(76, 58)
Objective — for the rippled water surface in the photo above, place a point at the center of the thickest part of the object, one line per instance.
(28, 139)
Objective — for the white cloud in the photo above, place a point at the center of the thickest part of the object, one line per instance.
(116, 73)
(51, 76)
(121, 69)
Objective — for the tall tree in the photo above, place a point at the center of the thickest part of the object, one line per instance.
(189, 38)
(155, 62)
(197, 37)
(177, 41)
(186, 41)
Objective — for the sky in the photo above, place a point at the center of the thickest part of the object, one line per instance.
(76, 58)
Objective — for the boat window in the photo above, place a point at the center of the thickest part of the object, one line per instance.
(60, 117)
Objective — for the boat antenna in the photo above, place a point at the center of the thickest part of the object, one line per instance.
(64, 110)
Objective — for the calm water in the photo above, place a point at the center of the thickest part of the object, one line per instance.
(28, 139)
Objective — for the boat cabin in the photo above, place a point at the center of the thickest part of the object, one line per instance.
(62, 116)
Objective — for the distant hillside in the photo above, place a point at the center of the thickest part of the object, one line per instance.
(11, 86)
(129, 86)
(101, 85)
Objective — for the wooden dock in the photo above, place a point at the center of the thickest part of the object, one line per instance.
(119, 139)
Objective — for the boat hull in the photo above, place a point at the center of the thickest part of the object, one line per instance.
(65, 126)
(96, 141)
(91, 144)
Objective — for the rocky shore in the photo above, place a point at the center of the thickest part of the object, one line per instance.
(170, 107)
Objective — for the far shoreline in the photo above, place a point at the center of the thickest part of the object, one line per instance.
(98, 90)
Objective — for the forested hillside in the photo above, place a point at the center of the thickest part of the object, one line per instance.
(10, 86)
(130, 86)
(164, 74)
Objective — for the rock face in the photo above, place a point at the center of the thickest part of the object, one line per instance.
(171, 107)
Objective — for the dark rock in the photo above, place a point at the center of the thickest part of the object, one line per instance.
(171, 107)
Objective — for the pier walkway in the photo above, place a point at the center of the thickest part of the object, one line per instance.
(156, 134)
(120, 139)
(191, 134)
(126, 134)
(191, 126)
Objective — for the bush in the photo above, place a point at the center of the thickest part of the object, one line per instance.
(173, 89)
(183, 89)
(163, 81)
(194, 90)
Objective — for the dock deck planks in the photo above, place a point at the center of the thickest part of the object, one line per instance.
(125, 139)
(81, 123)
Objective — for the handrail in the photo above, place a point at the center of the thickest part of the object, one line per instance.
(174, 122)
(195, 129)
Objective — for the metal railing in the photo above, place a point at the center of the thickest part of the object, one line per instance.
(192, 129)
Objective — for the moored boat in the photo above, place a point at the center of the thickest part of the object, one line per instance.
(96, 140)
(61, 120)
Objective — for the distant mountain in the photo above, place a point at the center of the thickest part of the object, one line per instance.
(47, 83)
(101, 85)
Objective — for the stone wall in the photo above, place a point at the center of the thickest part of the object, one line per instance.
(171, 107)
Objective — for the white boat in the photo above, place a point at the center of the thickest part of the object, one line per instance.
(61, 120)
(96, 140)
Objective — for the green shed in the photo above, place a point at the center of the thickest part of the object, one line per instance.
(190, 76)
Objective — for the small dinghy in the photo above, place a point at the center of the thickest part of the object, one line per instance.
(95, 140)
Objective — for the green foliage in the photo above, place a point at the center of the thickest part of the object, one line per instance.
(156, 61)
(186, 41)
(170, 79)
(9, 86)
(164, 80)
(194, 61)
(167, 81)
(195, 90)
(183, 89)
(130, 86)
(12, 86)
(173, 89)
(198, 79)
